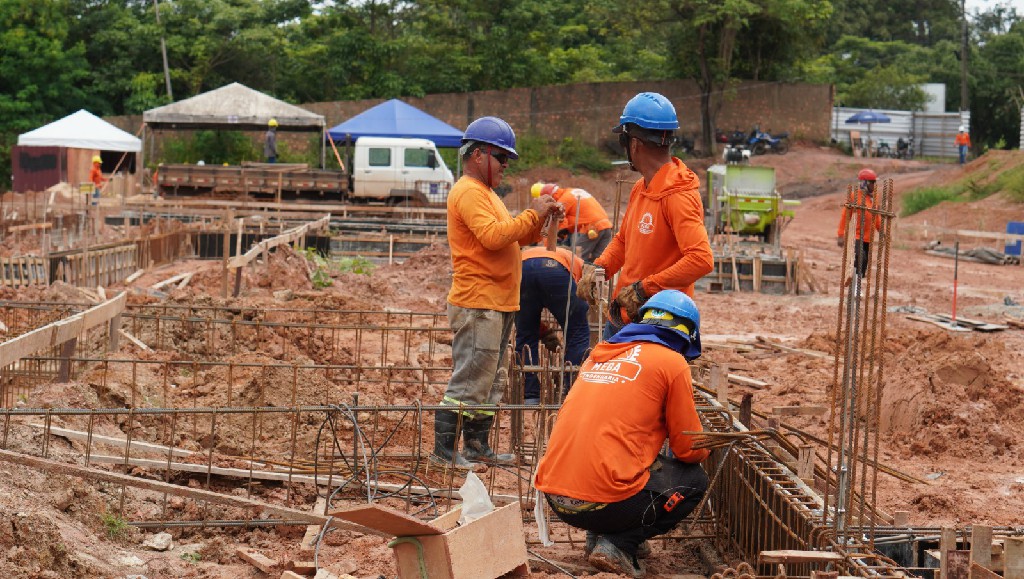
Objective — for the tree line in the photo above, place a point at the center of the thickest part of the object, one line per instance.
(57, 56)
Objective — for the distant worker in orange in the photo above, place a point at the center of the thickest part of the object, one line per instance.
(662, 243)
(866, 221)
(585, 219)
(97, 178)
(963, 143)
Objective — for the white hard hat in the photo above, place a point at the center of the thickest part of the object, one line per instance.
(962, 129)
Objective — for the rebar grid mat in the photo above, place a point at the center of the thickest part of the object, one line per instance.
(856, 392)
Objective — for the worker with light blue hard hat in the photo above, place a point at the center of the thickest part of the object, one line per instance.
(484, 297)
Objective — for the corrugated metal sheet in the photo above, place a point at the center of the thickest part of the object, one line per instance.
(1022, 128)
(933, 132)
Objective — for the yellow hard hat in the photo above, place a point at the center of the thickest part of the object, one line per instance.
(535, 189)
(272, 122)
(96, 159)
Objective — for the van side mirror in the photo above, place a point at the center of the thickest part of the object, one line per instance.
(432, 160)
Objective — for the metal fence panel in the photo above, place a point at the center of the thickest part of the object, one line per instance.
(933, 132)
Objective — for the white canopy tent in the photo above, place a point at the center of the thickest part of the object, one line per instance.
(82, 130)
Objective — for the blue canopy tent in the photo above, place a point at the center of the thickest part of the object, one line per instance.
(395, 118)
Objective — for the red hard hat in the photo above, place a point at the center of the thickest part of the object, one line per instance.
(867, 175)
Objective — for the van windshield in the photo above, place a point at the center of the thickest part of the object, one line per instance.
(419, 158)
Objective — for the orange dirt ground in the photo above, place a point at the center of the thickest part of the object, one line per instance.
(953, 411)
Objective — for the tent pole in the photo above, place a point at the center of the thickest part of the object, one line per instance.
(140, 168)
(323, 148)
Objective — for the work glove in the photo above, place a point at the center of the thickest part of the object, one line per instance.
(563, 234)
(840, 241)
(630, 298)
(549, 337)
(586, 288)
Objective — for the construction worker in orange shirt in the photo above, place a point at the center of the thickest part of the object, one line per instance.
(963, 143)
(585, 219)
(486, 269)
(603, 471)
(97, 178)
(866, 222)
(549, 283)
(662, 242)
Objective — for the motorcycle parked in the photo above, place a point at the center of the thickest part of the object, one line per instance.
(905, 148)
(736, 138)
(760, 142)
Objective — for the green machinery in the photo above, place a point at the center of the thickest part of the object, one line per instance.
(742, 200)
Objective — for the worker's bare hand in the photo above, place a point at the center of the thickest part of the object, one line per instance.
(544, 205)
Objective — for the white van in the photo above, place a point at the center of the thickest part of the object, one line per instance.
(399, 170)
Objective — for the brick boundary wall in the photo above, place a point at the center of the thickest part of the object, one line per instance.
(588, 111)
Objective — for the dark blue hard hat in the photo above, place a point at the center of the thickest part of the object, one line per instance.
(493, 131)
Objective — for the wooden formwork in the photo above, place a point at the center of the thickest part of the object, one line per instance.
(759, 273)
(24, 271)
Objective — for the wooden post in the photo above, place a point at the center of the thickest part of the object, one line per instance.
(981, 545)
(805, 464)
(113, 333)
(959, 565)
(67, 349)
(1013, 558)
(901, 519)
(746, 409)
(225, 250)
(720, 384)
(947, 543)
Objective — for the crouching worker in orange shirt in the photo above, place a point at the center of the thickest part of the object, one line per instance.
(602, 471)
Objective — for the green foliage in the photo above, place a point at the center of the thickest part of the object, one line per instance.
(356, 264)
(569, 153)
(216, 147)
(115, 527)
(193, 557)
(321, 277)
(887, 87)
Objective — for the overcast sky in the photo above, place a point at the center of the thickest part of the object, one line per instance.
(983, 4)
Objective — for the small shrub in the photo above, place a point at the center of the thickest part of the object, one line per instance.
(321, 277)
(191, 557)
(922, 199)
(357, 264)
(575, 155)
(115, 526)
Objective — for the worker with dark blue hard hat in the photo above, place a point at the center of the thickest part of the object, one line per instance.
(484, 297)
(603, 470)
(661, 243)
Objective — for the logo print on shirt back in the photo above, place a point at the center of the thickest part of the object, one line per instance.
(646, 225)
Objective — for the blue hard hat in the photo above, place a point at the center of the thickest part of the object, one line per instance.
(680, 306)
(649, 110)
(494, 131)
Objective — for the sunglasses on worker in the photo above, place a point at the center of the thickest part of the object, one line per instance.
(499, 156)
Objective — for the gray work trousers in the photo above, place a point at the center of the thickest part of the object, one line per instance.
(479, 347)
(591, 249)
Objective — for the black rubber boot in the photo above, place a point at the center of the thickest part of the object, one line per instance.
(444, 453)
(477, 449)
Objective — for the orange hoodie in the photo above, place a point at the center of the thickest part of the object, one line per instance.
(592, 215)
(626, 400)
(484, 241)
(867, 223)
(662, 239)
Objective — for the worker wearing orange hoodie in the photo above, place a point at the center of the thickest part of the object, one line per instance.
(482, 303)
(662, 242)
(603, 471)
(585, 219)
(866, 222)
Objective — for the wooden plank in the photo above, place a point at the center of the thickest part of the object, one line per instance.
(792, 556)
(939, 323)
(30, 227)
(171, 280)
(117, 441)
(134, 340)
(981, 545)
(384, 519)
(745, 381)
(257, 559)
(1013, 558)
(52, 466)
(947, 543)
(765, 342)
(979, 572)
(958, 565)
(799, 410)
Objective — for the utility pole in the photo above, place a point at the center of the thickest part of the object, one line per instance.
(163, 52)
(963, 57)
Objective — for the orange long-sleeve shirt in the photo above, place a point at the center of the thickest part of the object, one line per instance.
(96, 175)
(662, 240)
(866, 223)
(963, 139)
(626, 400)
(573, 263)
(484, 241)
(591, 214)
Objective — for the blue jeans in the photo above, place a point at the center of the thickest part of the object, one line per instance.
(546, 285)
(963, 154)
